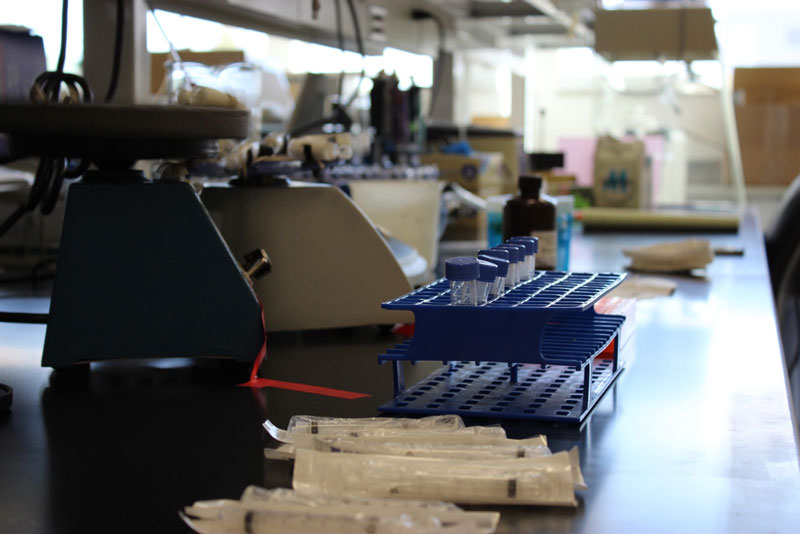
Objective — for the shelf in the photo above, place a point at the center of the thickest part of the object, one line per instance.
(549, 392)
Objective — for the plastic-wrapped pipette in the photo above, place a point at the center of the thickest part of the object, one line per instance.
(446, 513)
(452, 451)
(233, 517)
(503, 267)
(486, 279)
(545, 480)
(303, 428)
(342, 426)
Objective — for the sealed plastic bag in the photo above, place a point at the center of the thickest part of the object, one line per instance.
(262, 511)
(546, 480)
(313, 424)
(303, 434)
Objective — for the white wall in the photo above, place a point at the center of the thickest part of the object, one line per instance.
(583, 104)
(570, 94)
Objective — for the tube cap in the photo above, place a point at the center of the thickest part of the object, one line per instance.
(488, 271)
(502, 265)
(533, 241)
(516, 252)
(495, 253)
(461, 268)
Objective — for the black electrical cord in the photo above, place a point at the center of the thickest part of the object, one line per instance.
(48, 88)
(340, 42)
(23, 318)
(112, 85)
(437, 75)
(50, 171)
(62, 53)
(360, 45)
(421, 14)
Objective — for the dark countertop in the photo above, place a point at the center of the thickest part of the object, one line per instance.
(695, 436)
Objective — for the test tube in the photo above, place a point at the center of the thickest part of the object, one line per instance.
(462, 272)
(531, 248)
(493, 256)
(486, 278)
(522, 255)
(515, 256)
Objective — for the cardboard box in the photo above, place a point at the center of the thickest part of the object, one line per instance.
(511, 148)
(766, 86)
(767, 107)
(483, 174)
(660, 33)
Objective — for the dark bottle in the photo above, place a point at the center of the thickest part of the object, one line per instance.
(530, 215)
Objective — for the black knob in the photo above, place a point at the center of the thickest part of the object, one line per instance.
(257, 264)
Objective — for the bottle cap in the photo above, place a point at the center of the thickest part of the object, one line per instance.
(461, 268)
(488, 271)
(516, 252)
(502, 265)
(496, 253)
(531, 243)
(530, 184)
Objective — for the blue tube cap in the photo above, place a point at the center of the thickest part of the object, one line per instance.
(488, 271)
(462, 268)
(534, 242)
(516, 252)
(495, 253)
(502, 265)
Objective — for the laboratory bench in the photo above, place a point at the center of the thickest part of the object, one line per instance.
(696, 434)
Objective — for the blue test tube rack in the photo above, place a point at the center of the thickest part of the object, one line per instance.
(538, 352)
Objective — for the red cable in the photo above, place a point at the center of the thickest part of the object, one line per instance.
(256, 382)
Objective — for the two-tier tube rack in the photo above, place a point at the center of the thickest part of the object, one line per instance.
(538, 352)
